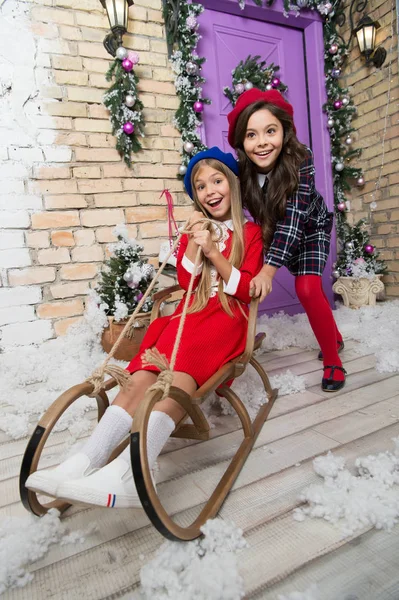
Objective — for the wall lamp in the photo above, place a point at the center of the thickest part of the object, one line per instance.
(365, 33)
(118, 13)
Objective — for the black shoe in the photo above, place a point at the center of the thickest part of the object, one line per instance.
(329, 384)
(341, 346)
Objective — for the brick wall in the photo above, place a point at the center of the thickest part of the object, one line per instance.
(369, 88)
(66, 187)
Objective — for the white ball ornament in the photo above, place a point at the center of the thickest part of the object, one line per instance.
(302, 3)
(339, 166)
(130, 100)
(345, 101)
(360, 182)
(269, 86)
(191, 68)
(239, 88)
(349, 245)
(128, 276)
(182, 170)
(335, 273)
(330, 123)
(248, 86)
(121, 53)
(348, 140)
(188, 147)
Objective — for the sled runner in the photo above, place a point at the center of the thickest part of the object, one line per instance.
(198, 430)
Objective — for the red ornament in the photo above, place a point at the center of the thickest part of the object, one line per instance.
(276, 82)
(127, 65)
(337, 104)
(368, 248)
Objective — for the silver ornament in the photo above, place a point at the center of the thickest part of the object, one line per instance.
(269, 86)
(248, 85)
(188, 147)
(348, 140)
(182, 170)
(330, 123)
(121, 53)
(349, 245)
(130, 100)
(360, 182)
(128, 276)
(339, 166)
(345, 101)
(191, 68)
(301, 3)
(335, 273)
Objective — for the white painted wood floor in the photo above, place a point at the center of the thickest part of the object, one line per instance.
(283, 555)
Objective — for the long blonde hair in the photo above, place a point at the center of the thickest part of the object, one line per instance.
(236, 256)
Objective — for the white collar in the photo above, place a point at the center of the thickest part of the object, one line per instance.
(262, 178)
(229, 224)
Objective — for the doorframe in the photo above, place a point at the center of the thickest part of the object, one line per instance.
(311, 24)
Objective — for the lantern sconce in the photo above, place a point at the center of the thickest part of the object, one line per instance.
(365, 33)
(118, 14)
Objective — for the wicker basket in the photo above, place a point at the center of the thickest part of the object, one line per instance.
(130, 344)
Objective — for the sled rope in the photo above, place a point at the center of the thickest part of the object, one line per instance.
(165, 378)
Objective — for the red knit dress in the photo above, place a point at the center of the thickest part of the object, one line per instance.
(210, 337)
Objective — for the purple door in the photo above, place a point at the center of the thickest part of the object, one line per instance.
(226, 40)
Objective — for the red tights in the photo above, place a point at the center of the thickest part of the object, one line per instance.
(310, 292)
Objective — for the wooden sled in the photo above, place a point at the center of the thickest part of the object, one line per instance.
(198, 430)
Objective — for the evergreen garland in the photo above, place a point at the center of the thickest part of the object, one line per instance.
(125, 85)
(253, 72)
(357, 258)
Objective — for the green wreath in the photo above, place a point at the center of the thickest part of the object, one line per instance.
(252, 72)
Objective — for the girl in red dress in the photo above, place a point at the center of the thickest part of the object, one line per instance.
(214, 333)
(278, 188)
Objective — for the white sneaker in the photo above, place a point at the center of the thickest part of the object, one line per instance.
(112, 486)
(46, 481)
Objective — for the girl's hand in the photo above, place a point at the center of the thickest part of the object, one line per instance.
(261, 285)
(196, 215)
(204, 240)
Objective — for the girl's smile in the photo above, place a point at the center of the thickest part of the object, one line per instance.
(213, 192)
(263, 139)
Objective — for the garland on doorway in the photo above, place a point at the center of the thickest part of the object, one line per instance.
(252, 72)
(123, 103)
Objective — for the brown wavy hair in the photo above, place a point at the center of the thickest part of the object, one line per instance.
(236, 256)
(285, 179)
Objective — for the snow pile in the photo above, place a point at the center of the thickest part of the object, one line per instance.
(33, 377)
(283, 331)
(205, 569)
(368, 499)
(288, 383)
(312, 593)
(25, 540)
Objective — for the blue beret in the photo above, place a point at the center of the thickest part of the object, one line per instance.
(215, 152)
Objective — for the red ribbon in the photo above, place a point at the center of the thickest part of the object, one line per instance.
(171, 219)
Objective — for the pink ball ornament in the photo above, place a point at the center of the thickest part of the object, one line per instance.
(198, 106)
(239, 88)
(368, 248)
(128, 128)
(337, 104)
(360, 182)
(134, 57)
(127, 65)
(275, 82)
(341, 206)
(333, 49)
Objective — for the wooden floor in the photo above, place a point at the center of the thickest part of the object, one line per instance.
(283, 555)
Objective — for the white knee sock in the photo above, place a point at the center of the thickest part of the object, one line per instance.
(160, 426)
(113, 427)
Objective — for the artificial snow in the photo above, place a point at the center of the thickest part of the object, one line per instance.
(25, 540)
(312, 593)
(369, 498)
(205, 569)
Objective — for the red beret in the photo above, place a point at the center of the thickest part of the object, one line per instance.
(250, 97)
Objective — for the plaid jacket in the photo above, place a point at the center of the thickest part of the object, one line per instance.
(301, 240)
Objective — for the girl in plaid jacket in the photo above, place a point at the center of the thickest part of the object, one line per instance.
(278, 188)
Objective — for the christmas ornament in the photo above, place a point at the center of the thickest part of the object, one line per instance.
(339, 166)
(188, 147)
(349, 245)
(341, 206)
(130, 100)
(327, 8)
(198, 106)
(269, 86)
(128, 276)
(121, 53)
(127, 65)
(368, 248)
(132, 284)
(360, 181)
(348, 140)
(373, 205)
(335, 273)
(335, 73)
(128, 128)
(182, 170)
(191, 22)
(191, 68)
(275, 82)
(333, 49)
(133, 56)
(248, 85)
(239, 88)
(345, 101)
(302, 3)
(337, 104)
(330, 123)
